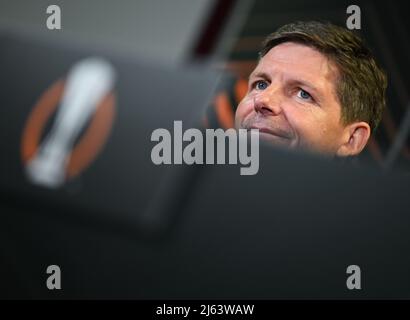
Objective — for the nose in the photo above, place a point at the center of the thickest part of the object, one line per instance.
(268, 102)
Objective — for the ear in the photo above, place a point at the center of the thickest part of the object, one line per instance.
(355, 139)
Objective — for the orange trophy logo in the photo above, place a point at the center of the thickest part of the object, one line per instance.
(85, 98)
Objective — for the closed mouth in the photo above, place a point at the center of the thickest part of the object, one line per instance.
(270, 131)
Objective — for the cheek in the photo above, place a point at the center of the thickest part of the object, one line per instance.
(316, 130)
(310, 126)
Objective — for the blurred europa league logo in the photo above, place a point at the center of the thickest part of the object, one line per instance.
(83, 106)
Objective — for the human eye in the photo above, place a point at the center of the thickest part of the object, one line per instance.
(304, 95)
(260, 84)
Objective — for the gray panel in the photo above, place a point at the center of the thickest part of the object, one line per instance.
(163, 30)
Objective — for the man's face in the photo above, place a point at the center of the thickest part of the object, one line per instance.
(292, 100)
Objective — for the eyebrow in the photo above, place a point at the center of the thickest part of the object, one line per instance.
(259, 74)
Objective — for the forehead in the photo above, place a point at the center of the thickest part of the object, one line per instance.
(294, 60)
